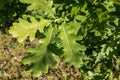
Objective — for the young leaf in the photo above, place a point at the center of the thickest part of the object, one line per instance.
(24, 28)
(42, 57)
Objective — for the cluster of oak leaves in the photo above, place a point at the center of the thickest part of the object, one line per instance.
(97, 36)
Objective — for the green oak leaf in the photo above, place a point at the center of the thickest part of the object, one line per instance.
(24, 28)
(71, 48)
(41, 58)
(43, 5)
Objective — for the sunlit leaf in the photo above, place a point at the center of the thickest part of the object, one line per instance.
(25, 28)
(71, 48)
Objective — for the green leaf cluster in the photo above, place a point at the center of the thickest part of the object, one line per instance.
(85, 33)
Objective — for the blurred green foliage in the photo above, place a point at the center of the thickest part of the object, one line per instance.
(10, 10)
